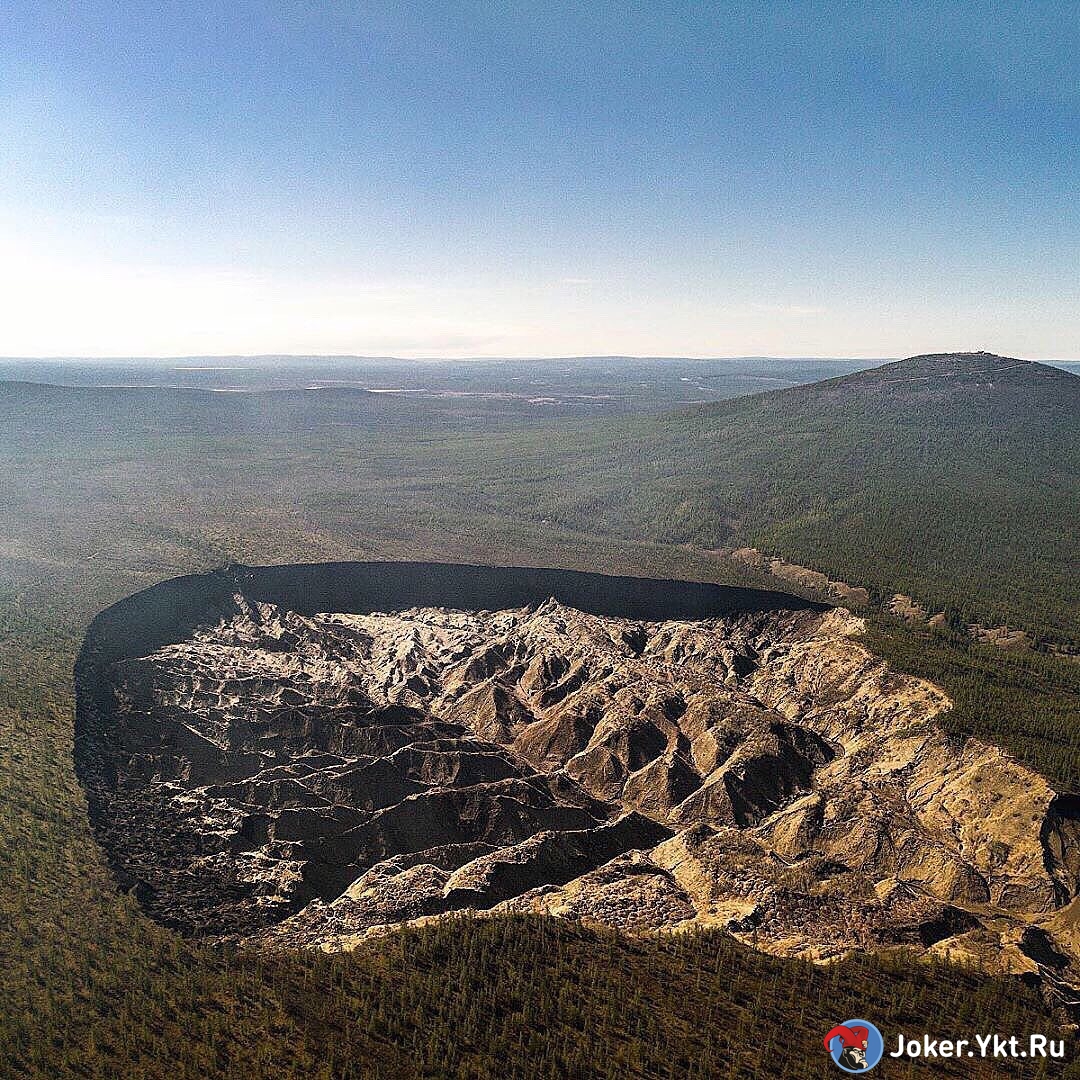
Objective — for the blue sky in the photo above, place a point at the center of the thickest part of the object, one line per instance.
(539, 179)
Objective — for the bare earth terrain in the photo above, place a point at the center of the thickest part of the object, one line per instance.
(304, 780)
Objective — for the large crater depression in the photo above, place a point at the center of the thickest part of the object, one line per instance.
(300, 754)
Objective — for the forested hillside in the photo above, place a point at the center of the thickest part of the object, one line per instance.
(954, 478)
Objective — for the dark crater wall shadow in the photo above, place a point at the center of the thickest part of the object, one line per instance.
(171, 611)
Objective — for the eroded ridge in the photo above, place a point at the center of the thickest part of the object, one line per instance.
(308, 778)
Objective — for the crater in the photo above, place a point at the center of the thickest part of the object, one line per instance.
(300, 755)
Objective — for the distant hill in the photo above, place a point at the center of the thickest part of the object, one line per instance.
(954, 477)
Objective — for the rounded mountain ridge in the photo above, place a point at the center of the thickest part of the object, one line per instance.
(978, 365)
(956, 387)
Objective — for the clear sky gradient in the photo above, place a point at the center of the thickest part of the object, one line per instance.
(460, 179)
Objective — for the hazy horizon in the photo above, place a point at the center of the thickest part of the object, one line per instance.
(250, 358)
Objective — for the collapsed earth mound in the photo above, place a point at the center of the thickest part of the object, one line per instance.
(304, 765)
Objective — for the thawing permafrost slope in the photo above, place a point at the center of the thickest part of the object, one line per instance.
(304, 780)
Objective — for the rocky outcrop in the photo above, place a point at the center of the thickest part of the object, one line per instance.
(906, 608)
(802, 577)
(304, 779)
